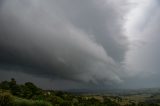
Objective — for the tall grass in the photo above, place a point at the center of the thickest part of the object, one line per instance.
(6, 99)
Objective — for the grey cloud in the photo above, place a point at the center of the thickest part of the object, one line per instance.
(143, 60)
(73, 40)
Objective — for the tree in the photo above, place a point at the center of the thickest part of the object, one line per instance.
(31, 89)
(5, 85)
(15, 89)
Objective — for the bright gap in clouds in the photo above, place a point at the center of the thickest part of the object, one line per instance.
(142, 29)
(137, 17)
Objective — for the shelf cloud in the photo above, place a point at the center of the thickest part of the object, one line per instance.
(78, 41)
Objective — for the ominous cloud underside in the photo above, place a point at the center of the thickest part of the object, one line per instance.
(101, 42)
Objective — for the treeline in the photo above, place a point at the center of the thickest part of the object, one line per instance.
(27, 90)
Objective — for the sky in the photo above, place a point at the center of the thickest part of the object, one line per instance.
(93, 44)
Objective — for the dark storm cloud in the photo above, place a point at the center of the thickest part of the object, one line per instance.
(73, 40)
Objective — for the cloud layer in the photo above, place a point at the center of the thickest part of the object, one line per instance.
(75, 40)
(143, 57)
(98, 42)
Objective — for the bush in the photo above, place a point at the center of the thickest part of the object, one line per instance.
(24, 102)
(5, 99)
(18, 102)
(41, 103)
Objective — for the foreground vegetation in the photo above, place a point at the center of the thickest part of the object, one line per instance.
(13, 94)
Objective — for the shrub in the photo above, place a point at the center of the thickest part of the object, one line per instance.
(41, 103)
(5, 99)
(24, 102)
